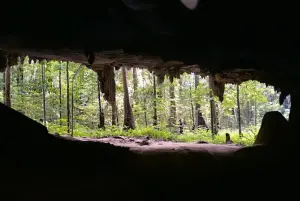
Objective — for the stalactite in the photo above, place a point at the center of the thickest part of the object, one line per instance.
(106, 77)
(218, 88)
(160, 79)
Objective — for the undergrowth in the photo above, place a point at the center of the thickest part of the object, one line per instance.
(187, 136)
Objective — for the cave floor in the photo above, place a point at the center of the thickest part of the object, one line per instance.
(147, 144)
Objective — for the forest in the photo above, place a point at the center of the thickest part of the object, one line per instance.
(66, 97)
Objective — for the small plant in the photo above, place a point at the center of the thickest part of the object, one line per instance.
(163, 134)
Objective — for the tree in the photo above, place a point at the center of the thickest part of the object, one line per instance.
(7, 86)
(192, 108)
(20, 78)
(172, 117)
(154, 101)
(238, 109)
(101, 114)
(44, 93)
(26, 91)
(135, 79)
(214, 128)
(199, 122)
(145, 99)
(68, 98)
(4, 83)
(60, 93)
(128, 116)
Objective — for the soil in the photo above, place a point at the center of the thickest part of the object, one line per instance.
(144, 144)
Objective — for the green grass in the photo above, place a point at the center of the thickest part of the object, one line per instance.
(188, 136)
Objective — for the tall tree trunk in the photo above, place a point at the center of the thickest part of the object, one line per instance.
(135, 79)
(19, 80)
(145, 112)
(101, 113)
(213, 113)
(255, 113)
(135, 96)
(21, 77)
(248, 114)
(180, 88)
(145, 102)
(154, 102)
(7, 86)
(160, 95)
(200, 122)
(44, 94)
(192, 107)
(68, 98)
(114, 113)
(128, 115)
(218, 126)
(60, 94)
(238, 109)
(172, 117)
(4, 86)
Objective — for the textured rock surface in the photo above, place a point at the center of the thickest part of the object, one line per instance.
(38, 166)
(217, 36)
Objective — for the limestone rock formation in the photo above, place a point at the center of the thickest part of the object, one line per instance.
(274, 129)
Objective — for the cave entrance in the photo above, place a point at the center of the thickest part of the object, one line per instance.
(142, 106)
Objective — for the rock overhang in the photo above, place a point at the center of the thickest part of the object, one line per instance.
(234, 40)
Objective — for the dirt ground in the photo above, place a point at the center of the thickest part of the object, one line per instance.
(148, 144)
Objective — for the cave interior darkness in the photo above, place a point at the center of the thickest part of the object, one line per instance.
(232, 40)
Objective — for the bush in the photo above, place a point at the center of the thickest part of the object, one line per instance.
(164, 134)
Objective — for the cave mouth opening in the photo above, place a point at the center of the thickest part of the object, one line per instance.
(164, 104)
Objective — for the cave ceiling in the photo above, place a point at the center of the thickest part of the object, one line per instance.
(232, 40)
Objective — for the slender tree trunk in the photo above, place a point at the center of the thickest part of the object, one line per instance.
(213, 112)
(160, 95)
(72, 101)
(44, 94)
(60, 94)
(200, 122)
(128, 115)
(172, 118)
(21, 71)
(145, 103)
(154, 102)
(218, 126)
(114, 114)
(20, 83)
(180, 88)
(4, 87)
(68, 98)
(135, 79)
(101, 114)
(255, 113)
(7, 86)
(213, 117)
(135, 96)
(145, 112)
(192, 107)
(248, 114)
(238, 109)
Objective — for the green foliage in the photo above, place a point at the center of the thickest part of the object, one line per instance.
(229, 101)
(255, 100)
(188, 136)
(251, 91)
(200, 94)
